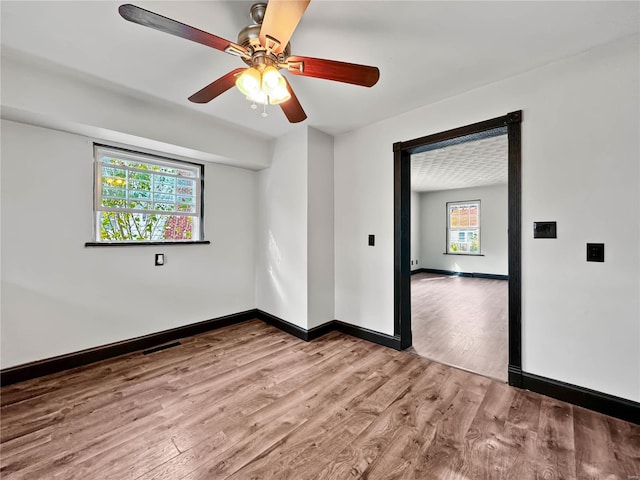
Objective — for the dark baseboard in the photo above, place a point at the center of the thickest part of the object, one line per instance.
(316, 332)
(60, 363)
(57, 364)
(391, 341)
(600, 402)
(417, 270)
(290, 328)
(490, 276)
(514, 376)
(320, 330)
(611, 405)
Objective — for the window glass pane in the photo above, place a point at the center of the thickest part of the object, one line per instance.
(165, 207)
(463, 228)
(164, 184)
(185, 187)
(474, 241)
(114, 192)
(114, 172)
(113, 161)
(142, 166)
(139, 185)
(136, 198)
(163, 197)
(178, 228)
(455, 217)
(473, 216)
(125, 226)
(113, 203)
(464, 216)
(139, 205)
(170, 170)
(186, 173)
(142, 176)
(186, 208)
(139, 194)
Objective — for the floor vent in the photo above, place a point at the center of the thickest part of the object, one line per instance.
(161, 347)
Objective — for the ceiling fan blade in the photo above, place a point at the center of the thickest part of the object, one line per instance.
(217, 87)
(280, 20)
(153, 20)
(332, 70)
(292, 108)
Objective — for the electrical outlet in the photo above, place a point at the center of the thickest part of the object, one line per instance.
(595, 252)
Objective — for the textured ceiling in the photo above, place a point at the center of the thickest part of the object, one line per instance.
(426, 50)
(470, 164)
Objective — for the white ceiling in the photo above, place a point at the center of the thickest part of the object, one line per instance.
(426, 51)
(470, 164)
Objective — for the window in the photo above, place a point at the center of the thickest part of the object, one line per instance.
(143, 198)
(463, 227)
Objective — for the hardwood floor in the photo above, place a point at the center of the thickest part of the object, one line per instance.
(461, 321)
(251, 402)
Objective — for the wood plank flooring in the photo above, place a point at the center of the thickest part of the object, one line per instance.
(461, 321)
(251, 402)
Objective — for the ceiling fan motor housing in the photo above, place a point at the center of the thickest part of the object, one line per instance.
(249, 38)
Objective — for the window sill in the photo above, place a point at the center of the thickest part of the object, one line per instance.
(466, 254)
(142, 244)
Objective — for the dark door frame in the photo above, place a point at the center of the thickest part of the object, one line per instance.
(402, 152)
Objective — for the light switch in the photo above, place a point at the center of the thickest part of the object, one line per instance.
(544, 230)
(159, 259)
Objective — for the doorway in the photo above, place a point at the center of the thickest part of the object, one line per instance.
(402, 214)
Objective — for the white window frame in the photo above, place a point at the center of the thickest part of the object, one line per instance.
(465, 230)
(101, 151)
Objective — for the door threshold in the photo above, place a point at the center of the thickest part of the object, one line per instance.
(413, 351)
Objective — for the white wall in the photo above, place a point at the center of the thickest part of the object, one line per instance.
(493, 230)
(59, 296)
(415, 232)
(321, 272)
(580, 147)
(294, 273)
(47, 95)
(281, 270)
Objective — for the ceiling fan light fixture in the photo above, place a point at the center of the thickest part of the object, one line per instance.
(249, 83)
(279, 95)
(271, 78)
(274, 86)
(268, 87)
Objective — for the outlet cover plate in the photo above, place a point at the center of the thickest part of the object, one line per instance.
(595, 252)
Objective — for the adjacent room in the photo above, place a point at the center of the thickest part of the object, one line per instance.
(209, 225)
(459, 252)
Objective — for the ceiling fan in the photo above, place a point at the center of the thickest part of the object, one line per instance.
(264, 46)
